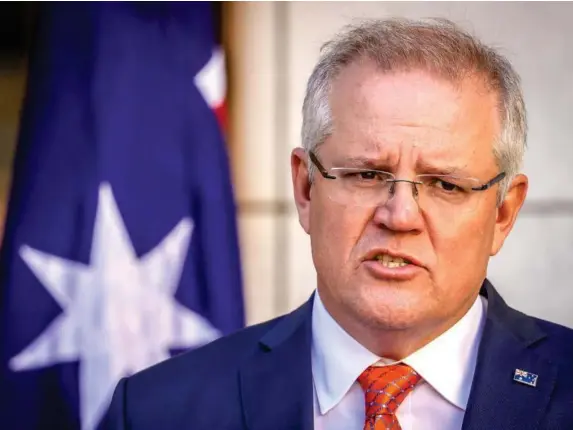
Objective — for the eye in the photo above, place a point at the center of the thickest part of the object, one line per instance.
(447, 186)
(363, 175)
(368, 176)
(364, 178)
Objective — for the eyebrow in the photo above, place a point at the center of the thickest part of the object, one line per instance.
(363, 162)
(427, 168)
(424, 167)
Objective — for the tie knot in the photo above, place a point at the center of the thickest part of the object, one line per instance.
(386, 387)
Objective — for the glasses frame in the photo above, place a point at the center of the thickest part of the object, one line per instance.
(324, 172)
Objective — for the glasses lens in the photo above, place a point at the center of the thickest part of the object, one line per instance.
(447, 195)
(437, 194)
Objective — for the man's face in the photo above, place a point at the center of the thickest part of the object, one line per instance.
(406, 123)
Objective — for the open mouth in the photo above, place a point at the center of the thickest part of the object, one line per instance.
(391, 262)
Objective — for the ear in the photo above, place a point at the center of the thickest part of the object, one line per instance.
(301, 186)
(507, 212)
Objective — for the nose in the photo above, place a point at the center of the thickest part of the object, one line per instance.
(401, 211)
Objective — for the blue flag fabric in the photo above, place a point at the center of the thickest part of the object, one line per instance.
(121, 245)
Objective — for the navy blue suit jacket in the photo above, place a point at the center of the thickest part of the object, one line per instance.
(260, 379)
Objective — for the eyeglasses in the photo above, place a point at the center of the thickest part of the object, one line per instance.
(372, 188)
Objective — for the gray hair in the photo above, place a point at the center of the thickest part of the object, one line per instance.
(438, 46)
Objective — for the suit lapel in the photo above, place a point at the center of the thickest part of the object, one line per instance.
(276, 384)
(496, 400)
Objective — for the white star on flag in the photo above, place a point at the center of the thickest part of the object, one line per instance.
(119, 313)
(211, 80)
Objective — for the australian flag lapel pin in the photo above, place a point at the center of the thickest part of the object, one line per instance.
(524, 377)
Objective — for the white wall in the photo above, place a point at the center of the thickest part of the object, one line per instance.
(276, 46)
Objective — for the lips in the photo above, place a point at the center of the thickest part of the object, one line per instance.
(376, 253)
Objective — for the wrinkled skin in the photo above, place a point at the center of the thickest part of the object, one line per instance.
(405, 121)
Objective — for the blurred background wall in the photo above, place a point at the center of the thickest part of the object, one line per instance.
(272, 48)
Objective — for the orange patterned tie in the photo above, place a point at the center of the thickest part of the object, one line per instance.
(385, 388)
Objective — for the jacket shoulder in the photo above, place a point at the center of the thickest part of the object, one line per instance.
(557, 345)
(226, 352)
(548, 339)
(183, 387)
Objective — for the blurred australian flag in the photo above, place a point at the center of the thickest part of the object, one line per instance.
(121, 244)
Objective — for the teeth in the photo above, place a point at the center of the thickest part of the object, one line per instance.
(391, 262)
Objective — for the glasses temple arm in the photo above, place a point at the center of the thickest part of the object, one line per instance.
(319, 166)
(490, 183)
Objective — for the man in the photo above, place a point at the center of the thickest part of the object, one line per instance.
(413, 136)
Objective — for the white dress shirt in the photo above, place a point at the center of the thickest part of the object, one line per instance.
(438, 402)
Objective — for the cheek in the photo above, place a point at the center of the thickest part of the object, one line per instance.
(335, 229)
(463, 244)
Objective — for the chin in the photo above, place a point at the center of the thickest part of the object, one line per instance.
(391, 308)
(395, 320)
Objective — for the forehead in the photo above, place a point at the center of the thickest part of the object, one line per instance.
(377, 112)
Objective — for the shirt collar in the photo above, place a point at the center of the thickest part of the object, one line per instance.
(447, 363)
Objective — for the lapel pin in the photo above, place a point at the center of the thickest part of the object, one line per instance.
(524, 377)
